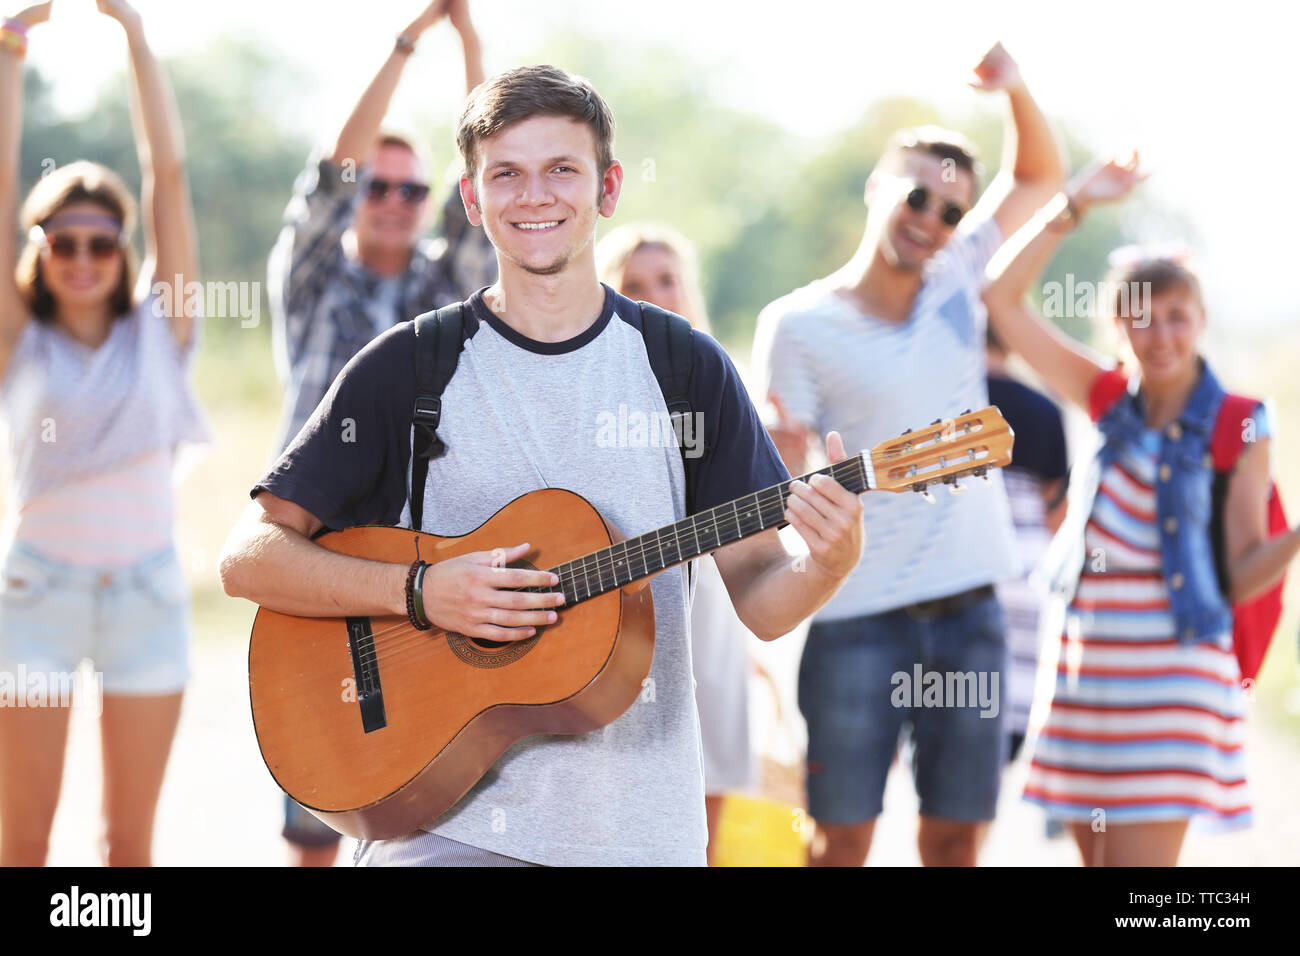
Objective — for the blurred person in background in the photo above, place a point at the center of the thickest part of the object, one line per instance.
(892, 340)
(657, 265)
(1037, 481)
(96, 400)
(1147, 723)
(351, 263)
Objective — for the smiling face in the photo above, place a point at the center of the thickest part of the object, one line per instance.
(1164, 341)
(537, 193)
(391, 224)
(75, 276)
(908, 237)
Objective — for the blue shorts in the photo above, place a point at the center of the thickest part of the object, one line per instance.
(132, 623)
(863, 680)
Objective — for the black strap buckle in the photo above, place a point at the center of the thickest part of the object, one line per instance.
(425, 419)
(428, 411)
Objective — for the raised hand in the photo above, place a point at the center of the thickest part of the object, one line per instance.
(1106, 181)
(828, 517)
(997, 71)
(119, 10)
(428, 17)
(36, 13)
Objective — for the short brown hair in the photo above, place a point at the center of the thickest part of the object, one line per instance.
(1140, 277)
(81, 181)
(944, 144)
(528, 91)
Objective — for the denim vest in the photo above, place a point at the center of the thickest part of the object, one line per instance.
(1185, 476)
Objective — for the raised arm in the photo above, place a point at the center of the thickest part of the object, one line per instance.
(357, 137)
(13, 311)
(458, 14)
(1068, 366)
(166, 214)
(1033, 166)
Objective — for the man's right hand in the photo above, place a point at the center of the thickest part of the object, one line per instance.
(790, 436)
(471, 595)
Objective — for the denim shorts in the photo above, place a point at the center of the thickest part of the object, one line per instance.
(132, 623)
(863, 680)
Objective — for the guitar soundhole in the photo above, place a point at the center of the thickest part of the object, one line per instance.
(479, 652)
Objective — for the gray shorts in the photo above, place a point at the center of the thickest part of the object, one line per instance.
(428, 849)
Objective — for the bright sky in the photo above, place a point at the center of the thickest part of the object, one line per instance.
(1181, 86)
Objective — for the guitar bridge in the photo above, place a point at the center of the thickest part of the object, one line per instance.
(365, 668)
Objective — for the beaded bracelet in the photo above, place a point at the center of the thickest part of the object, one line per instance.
(413, 611)
(13, 41)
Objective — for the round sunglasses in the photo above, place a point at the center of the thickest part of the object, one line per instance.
(949, 212)
(409, 192)
(100, 248)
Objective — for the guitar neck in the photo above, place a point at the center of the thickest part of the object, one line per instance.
(634, 558)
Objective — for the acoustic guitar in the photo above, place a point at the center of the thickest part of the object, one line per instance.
(378, 728)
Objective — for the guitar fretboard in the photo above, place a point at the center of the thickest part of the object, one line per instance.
(620, 564)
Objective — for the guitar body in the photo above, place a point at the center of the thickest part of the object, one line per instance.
(377, 728)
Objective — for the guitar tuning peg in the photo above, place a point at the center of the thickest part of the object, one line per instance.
(956, 489)
(967, 412)
(936, 421)
(927, 496)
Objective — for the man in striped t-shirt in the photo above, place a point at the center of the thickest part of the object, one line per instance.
(893, 340)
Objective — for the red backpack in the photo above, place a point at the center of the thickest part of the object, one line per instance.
(1253, 621)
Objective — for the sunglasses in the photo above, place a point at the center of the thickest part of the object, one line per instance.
(949, 213)
(100, 248)
(410, 193)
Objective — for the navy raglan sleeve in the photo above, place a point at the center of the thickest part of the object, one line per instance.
(348, 464)
(740, 457)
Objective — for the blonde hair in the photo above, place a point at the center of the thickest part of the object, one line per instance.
(82, 181)
(616, 249)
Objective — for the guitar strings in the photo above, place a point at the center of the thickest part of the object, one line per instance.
(393, 644)
(393, 647)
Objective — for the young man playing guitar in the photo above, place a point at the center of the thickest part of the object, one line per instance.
(549, 354)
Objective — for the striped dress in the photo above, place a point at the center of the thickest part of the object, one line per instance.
(1141, 726)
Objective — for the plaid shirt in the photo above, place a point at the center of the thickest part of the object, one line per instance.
(325, 306)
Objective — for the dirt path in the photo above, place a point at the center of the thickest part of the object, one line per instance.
(219, 806)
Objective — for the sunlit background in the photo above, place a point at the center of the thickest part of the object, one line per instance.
(750, 127)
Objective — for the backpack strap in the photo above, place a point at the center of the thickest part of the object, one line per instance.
(439, 337)
(670, 346)
(1227, 442)
(1107, 389)
(1226, 446)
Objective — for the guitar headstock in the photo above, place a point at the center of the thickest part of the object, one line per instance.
(944, 451)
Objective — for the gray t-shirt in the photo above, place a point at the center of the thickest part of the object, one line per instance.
(521, 415)
(870, 379)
